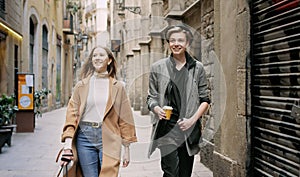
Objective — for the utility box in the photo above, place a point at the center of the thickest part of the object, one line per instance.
(25, 119)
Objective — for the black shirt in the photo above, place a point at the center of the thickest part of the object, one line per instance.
(175, 96)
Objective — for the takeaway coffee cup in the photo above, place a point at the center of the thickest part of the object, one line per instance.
(168, 110)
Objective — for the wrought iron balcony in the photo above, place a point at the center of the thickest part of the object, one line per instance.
(90, 9)
(68, 25)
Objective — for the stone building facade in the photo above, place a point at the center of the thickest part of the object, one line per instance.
(37, 37)
(94, 24)
(47, 49)
(11, 39)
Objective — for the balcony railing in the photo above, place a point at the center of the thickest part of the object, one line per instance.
(68, 26)
(91, 30)
(89, 9)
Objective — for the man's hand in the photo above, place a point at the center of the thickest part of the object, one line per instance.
(160, 112)
(185, 123)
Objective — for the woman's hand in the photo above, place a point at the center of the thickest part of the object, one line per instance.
(160, 112)
(126, 156)
(185, 124)
(66, 157)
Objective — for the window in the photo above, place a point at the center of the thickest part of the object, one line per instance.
(45, 58)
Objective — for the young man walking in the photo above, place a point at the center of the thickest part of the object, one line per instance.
(178, 81)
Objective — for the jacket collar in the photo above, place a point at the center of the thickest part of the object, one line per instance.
(190, 61)
(112, 95)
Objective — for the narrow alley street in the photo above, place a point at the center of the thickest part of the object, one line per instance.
(33, 154)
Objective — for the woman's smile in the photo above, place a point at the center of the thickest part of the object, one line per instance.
(100, 60)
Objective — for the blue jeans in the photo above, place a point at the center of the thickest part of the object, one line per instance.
(89, 150)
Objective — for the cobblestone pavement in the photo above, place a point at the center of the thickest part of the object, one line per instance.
(33, 154)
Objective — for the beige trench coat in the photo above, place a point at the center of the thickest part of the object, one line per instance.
(117, 128)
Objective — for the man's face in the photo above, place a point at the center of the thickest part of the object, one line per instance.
(178, 43)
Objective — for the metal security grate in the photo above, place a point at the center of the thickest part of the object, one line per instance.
(275, 87)
(2, 9)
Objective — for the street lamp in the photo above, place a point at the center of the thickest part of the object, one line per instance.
(80, 40)
(84, 38)
(133, 9)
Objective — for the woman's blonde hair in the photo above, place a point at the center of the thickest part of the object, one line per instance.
(88, 68)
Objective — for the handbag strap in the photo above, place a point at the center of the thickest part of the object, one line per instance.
(66, 171)
(59, 171)
(58, 155)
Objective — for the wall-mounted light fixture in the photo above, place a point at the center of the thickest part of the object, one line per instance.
(133, 9)
(85, 38)
(11, 30)
(81, 39)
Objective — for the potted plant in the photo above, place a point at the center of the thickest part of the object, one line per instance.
(72, 7)
(39, 96)
(8, 111)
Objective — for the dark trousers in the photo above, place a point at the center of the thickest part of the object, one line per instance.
(175, 161)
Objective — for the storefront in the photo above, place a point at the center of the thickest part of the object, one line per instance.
(275, 88)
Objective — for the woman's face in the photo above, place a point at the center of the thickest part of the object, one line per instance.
(178, 43)
(100, 60)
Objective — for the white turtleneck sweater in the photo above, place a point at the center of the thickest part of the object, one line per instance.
(95, 104)
(96, 100)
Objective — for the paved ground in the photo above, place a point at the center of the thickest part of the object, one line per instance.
(33, 154)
